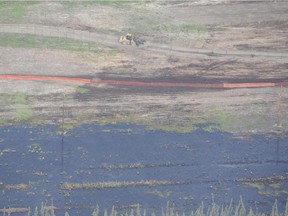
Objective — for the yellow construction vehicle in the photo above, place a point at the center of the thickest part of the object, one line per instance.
(129, 39)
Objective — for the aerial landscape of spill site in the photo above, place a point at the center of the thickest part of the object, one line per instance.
(144, 107)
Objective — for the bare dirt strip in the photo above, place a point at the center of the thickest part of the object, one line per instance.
(111, 40)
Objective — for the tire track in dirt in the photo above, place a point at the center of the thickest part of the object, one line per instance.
(144, 84)
(111, 40)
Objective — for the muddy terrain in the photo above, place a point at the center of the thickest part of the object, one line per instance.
(198, 42)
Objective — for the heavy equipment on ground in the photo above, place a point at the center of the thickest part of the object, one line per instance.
(130, 39)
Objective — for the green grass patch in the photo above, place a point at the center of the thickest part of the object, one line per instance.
(223, 120)
(67, 127)
(13, 10)
(143, 21)
(20, 98)
(73, 3)
(112, 2)
(190, 28)
(80, 90)
(211, 128)
(20, 110)
(267, 187)
(32, 41)
(3, 121)
(23, 112)
(183, 129)
(152, 124)
(257, 185)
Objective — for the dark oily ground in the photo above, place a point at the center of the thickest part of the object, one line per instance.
(123, 165)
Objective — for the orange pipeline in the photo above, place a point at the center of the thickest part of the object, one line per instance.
(143, 84)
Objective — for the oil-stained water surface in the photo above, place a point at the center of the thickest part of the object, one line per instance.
(124, 165)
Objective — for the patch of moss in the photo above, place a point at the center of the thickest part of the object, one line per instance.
(82, 90)
(14, 10)
(222, 119)
(20, 97)
(20, 109)
(211, 128)
(23, 112)
(15, 40)
(183, 129)
(168, 126)
(3, 120)
(107, 121)
(188, 28)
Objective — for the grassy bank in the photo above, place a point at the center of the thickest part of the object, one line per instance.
(14, 11)
(41, 42)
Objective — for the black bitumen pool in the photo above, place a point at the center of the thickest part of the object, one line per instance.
(123, 165)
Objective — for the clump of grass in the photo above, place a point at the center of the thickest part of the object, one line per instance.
(67, 127)
(170, 210)
(14, 10)
(257, 185)
(23, 112)
(190, 28)
(6, 151)
(275, 193)
(268, 186)
(44, 210)
(162, 194)
(82, 90)
(169, 126)
(20, 97)
(3, 121)
(111, 2)
(18, 101)
(20, 186)
(222, 119)
(211, 128)
(99, 185)
(72, 3)
(183, 129)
